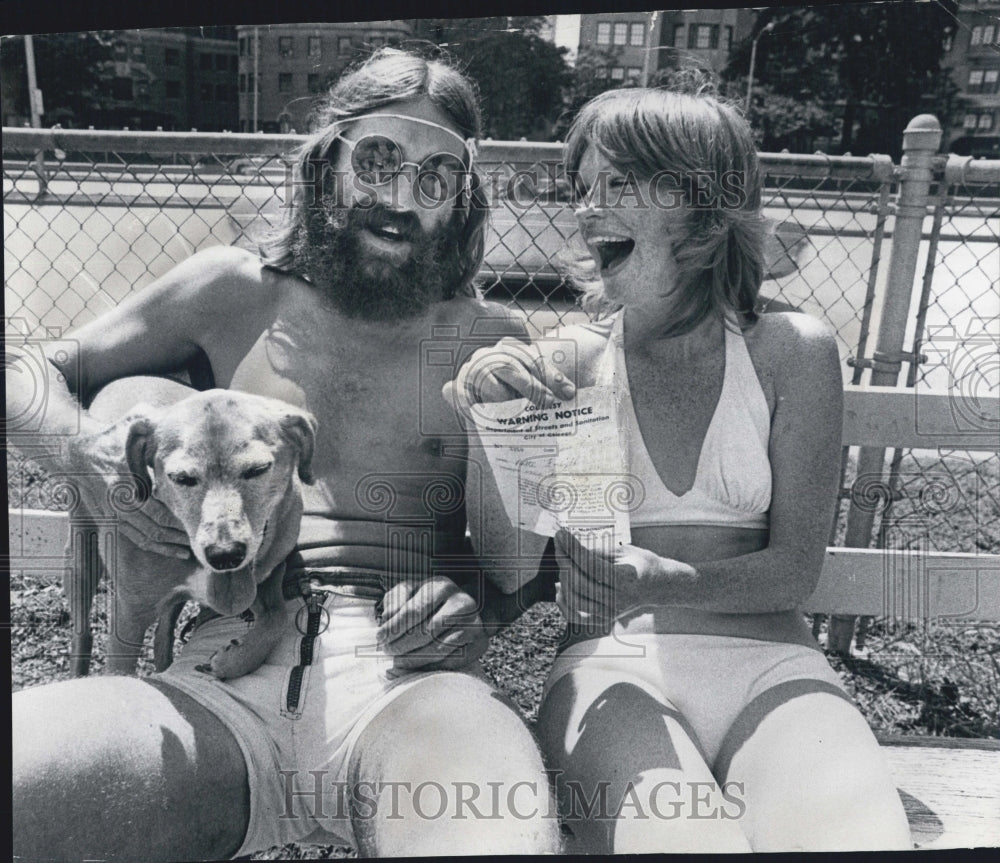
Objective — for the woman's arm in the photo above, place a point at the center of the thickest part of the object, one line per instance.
(804, 452)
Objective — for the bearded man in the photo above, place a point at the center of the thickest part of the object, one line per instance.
(378, 256)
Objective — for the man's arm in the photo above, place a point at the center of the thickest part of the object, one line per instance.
(156, 330)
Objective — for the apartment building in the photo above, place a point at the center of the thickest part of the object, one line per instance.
(630, 37)
(289, 65)
(644, 42)
(973, 57)
(171, 78)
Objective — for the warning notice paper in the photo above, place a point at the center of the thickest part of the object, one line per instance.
(560, 466)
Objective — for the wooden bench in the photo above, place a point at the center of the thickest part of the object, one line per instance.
(950, 787)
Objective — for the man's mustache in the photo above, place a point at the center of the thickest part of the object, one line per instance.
(380, 217)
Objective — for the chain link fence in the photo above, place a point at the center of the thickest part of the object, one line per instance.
(90, 217)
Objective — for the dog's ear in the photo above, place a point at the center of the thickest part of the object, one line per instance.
(299, 427)
(140, 450)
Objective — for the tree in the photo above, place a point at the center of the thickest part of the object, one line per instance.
(875, 64)
(70, 69)
(521, 77)
(590, 77)
(782, 122)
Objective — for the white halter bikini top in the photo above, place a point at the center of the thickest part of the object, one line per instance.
(732, 484)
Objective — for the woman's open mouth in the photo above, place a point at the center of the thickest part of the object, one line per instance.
(611, 252)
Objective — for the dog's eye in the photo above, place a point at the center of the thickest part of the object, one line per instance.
(256, 470)
(184, 479)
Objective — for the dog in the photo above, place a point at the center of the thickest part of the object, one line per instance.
(230, 467)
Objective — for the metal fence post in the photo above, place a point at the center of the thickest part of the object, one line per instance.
(921, 141)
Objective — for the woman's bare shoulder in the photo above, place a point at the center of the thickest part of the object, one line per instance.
(780, 338)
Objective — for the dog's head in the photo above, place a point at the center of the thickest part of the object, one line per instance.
(224, 462)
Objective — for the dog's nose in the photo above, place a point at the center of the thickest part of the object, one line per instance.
(227, 555)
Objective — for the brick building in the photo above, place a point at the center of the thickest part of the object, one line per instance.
(973, 56)
(290, 64)
(174, 78)
(644, 42)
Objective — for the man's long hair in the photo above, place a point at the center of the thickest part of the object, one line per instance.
(387, 77)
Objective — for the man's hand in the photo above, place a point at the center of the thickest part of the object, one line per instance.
(596, 587)
(510, 369)
(106, 487)
(430, 625)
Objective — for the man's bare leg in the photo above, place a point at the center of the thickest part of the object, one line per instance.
(118, 768)
(460, 767)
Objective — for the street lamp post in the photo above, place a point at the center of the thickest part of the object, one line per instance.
(753, 60)
(35, 108)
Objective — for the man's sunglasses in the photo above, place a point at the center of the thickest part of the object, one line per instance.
(440, 177)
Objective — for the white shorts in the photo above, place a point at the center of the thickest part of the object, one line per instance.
(721, 686)
(298, 716)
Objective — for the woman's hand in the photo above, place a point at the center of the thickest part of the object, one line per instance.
(508, 370)
(595, 586)
(430, 624)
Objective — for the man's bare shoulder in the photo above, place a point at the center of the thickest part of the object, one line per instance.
(222, 275)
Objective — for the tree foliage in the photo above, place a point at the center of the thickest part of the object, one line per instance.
(521, 77)
(70, 69)
(874, 65)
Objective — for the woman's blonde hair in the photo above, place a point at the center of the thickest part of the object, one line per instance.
(690, 134)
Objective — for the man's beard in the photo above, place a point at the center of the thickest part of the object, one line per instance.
(327, 248)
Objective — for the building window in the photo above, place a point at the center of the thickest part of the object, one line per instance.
(206, 92)
(313, 82)
(250, 83)
(172, 57)
(970, 121)
(977, 36)
(205, 62)
(990, 80)
(636, 35)
(988, 34)
(221, 62)
(678, 35)
(604, 33)
(121, 88)
(243, 83)
(634, 73)
(120, 51)
(243, 46)
(601, 72)
(621, 34)
(343, 44)
(173, 89)
(729, 38)
(704, 36)
(285, 46)
(138, 52)
(617, 73)
(985, 121)
(315, 47)
(285, 82)
(975, 80)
